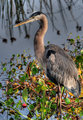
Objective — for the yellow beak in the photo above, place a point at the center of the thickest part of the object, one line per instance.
(24, 22)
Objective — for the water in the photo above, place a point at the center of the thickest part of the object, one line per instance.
(64, 20)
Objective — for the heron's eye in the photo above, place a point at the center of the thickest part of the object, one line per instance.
(33, 17)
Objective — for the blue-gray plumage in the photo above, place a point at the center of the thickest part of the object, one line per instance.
(58, 66)
(61, 69)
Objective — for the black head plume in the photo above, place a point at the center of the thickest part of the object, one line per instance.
(36, 13)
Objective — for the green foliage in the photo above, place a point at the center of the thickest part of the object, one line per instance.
(79, 59)
(18, 55)
(53, 92)
(31, 107)
(10, 101)
(81, 51)
(4, 69)
(0, 85)
(10, 91)
(48, 42)
(81, 113)
(19, 104)
(17, 116)
(71, 41)
(77, 100)
(66, 117)
(73, 109)
(34, 70)
(22, 77)
(11, 80)
(1, 105)
(3, 64)
(67, 101)
(25, 95)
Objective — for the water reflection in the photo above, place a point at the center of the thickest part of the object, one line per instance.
(13, 12)
(64, 16)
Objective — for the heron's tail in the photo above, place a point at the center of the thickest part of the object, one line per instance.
(75, 88)
(79, 87)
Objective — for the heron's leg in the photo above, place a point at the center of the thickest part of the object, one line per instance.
(60, 98)
(59, 102)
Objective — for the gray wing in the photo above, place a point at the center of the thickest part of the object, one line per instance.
(60, 68)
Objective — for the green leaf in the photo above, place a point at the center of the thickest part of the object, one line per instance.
(79, 58)
(10, 101)
(53, 92)
(17, 117)
(72, 41)
(0, 85)
(48, 42)
(18, 55)
(67, 115)
(31, 106)
(81, 113)
(81, 51)
(24, 51)
(13, 70)
(25, 95)
(77, 100)
(9, 72)
(78, 37)
(25, 63)
(26, 75)
(34, 70)
(64, 117)
(38, 88)
(53, 106)
(62, 90)
(22, 77)
(40, 81)
(70, 119)
(19, 104)
(75, 50)
(30, 64)
(67, 101)
(44, 87)
(4, 69)
(10, 91)
(11, 80)
(13, 55)
(3, 64)
(73, 109)
(11, 118)
(1, 104)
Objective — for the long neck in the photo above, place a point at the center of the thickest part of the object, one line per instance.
(39, 39)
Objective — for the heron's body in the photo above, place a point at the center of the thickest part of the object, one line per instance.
(61, 69)
(58, 66)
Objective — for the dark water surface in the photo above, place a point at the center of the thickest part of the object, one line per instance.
(63, 17)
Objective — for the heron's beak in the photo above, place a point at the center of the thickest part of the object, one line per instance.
(24, 22)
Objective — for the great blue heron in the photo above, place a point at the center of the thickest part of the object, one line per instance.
(58, 65)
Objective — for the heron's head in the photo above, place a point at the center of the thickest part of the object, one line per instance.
(34, 17)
